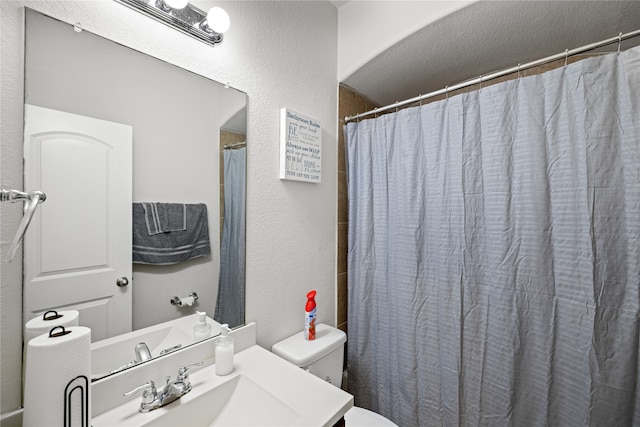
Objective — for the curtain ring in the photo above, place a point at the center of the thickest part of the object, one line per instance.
(396, 106)
(480, 82)
(420, 99)
(446, 92)
(519, 71)
(566, 56)
(619, 41)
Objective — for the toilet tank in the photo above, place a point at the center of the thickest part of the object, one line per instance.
(323, 357)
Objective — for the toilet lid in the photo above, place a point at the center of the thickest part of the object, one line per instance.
(360, 417)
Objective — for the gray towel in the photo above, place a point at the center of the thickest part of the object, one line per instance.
(171, 247)
(163, 217)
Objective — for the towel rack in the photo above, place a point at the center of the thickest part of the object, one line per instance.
(31, 200)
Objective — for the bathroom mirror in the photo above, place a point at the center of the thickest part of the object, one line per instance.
(182, 125)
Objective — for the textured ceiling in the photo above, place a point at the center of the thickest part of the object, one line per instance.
(486, 37)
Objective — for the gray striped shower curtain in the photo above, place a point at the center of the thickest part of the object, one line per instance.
(494, 253)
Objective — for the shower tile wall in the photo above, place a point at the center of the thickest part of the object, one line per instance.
(349, 103)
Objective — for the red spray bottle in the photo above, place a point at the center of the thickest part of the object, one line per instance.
(310, 317)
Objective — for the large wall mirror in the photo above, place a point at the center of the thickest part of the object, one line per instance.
(188, 147)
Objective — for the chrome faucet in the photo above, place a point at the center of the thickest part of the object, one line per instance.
(142, 352)
(153, 398)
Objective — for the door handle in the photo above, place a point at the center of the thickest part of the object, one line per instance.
(122, 282)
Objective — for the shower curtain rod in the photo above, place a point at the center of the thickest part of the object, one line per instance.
(234, 145)
(567, 53)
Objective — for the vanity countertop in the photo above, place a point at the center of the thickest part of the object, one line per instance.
(314, 401)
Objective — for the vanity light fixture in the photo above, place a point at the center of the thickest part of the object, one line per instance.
(186, 18)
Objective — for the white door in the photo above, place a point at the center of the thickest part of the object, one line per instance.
(79, 243)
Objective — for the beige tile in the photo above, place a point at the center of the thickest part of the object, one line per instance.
(350, 103)
(342, 298)
(342, 247)
(369, 105)
(221, 167)
(343, 327)
(342, 164)
(343, 198)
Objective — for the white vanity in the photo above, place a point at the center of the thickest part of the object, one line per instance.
(263, 390)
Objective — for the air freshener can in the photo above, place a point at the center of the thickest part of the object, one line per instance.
(310, 317)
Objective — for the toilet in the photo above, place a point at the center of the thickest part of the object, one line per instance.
(324, 357)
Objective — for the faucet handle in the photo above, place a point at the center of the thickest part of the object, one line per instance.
(182, 372)
(149, 392)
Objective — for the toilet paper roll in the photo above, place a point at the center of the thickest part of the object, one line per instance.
(187, 301)
(49, 320)
(58, 378)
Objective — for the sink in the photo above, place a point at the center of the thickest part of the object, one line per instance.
(263, 390)
(236, 402)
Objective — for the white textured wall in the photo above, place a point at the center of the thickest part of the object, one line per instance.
(281, 54)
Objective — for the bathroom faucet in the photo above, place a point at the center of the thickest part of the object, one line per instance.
(154, 399)
(142, 352)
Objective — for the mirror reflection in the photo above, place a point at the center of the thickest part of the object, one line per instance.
(108, 128)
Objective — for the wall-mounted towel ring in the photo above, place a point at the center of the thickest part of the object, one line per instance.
(32, 200)
(193, 297)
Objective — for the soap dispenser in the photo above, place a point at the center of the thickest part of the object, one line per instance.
(202, 329)
(224, 351)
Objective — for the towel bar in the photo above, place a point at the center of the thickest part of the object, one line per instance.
(32, 200)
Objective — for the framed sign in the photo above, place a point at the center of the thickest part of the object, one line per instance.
(300, 147)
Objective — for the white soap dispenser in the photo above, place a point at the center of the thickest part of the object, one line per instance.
(202, 329)
(224, 351)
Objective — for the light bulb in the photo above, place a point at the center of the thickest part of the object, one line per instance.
(176, 4)
(218, 20)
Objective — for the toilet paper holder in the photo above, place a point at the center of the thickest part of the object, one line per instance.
(192, 298)
(60, 333)
(78, 387)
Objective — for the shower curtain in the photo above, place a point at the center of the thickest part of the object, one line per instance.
(231, 296)
(494, 253)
